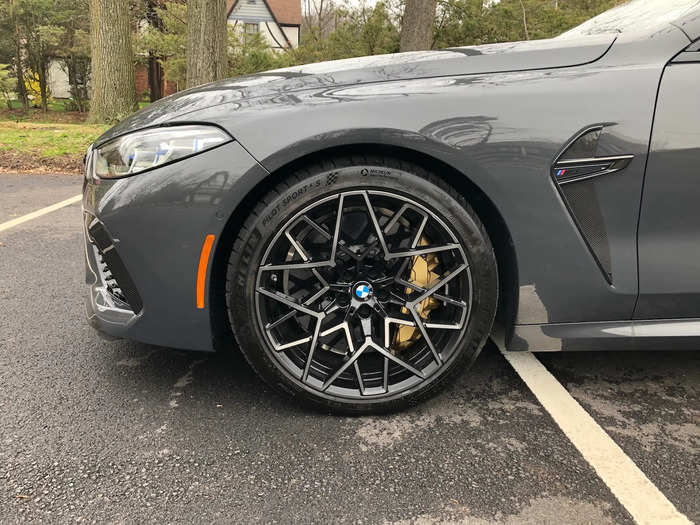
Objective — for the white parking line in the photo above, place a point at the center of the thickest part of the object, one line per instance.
(629, 485)
(38, 213)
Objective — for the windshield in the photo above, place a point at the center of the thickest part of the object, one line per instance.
(637, 15)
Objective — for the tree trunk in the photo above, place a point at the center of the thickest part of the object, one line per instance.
(155, 69)
(19, 67)
(73, 80)
(417, 29)
(527, 34)
(113, 90)
(155, 77)
(19, 73)
(206, 41)
(43, 84)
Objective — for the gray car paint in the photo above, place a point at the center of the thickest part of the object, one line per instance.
(654, 334)
(669, 251)
(500, 118)
(227, 95)
(690, 25)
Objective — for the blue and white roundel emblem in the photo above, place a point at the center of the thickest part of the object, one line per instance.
(362, 292)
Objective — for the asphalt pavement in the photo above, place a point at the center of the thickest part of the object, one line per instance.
(125, 432)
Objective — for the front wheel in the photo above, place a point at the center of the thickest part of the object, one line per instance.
(362, 286)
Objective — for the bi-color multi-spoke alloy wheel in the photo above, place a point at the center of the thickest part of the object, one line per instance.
(362, 287)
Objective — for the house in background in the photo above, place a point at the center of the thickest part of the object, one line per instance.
(278, 21)
(57, 80)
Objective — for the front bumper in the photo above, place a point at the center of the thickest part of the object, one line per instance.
(143, 241)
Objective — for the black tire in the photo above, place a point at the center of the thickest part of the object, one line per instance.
(380, 176)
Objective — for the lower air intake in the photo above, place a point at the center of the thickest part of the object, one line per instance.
(113, 271)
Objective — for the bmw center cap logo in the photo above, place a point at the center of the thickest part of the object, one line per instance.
(363, 291)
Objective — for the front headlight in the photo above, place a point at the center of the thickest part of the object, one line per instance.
(150, 148)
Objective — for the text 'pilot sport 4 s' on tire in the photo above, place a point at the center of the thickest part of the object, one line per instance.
(362, 286)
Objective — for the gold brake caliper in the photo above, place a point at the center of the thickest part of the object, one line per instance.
(422, 275)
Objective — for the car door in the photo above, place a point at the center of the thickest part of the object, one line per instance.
(669, 227)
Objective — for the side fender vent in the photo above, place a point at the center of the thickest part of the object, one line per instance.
(578, 160)
(582, 199)
(574, 172)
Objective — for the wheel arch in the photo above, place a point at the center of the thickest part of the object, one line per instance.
(484, 207)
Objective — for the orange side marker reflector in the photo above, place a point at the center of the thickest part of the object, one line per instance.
(202, 270)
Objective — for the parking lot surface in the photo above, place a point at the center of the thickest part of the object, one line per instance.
(121, 431)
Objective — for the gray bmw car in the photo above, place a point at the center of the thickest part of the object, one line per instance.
(360, 228)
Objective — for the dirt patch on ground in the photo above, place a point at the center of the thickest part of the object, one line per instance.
(12, 162)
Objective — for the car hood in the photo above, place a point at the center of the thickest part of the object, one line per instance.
(490, 58)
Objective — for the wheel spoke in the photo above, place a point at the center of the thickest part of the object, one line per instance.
(295, 266)
(336, 232)
(316, 226)
(321, 292)
(424, 251)
(332, 307)
(359, 378)
(426, 337)
(378, 230)
(388, 321)
(354, 357)
(286, 346)
(281, 320)
(286, 300)
(385, 382)
(317, 295)
(346, 328)
(441, 326)
(395, 218)
(402, 270)
(297, 247)
(439, 297)
(312, 350)
(435, 287)
(395, 299)
(398, 361)
(328, 237)
(419, 233)
(449, 300)
(414, 243)
(308, 302)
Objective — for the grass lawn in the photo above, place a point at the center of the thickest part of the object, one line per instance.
(52, 142)
(55, 142)
(47, 139)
